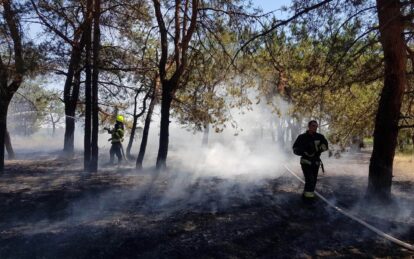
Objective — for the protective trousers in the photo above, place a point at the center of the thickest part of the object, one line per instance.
(115, 150)
(310, 171)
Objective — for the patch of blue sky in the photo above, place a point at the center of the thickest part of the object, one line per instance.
(273, 6)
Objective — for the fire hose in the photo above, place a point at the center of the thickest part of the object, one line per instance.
(362, 222)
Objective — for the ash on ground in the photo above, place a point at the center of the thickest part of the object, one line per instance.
(50, 208)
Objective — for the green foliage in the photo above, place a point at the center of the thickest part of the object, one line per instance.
(331, 74)
(27, 109)
(202, 101)
(214, 84)
(326, 64)
(405, 141)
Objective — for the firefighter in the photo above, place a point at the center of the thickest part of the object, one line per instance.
(117, 136)
(309, 146)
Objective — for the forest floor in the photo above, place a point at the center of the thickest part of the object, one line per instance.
(50, 208)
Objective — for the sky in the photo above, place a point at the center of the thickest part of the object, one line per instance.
(271, 5)
(266, 5)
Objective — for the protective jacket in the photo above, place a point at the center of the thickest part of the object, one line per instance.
(309, 147)
(117, 133)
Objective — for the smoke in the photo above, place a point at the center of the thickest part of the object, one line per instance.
(233, 170)
(48, 145)
(232, 166)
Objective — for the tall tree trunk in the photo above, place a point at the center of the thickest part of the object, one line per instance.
(95, 78)
(68, 146)
(9, 83)
(3, 122)
(272, 130)
(281, 133)
(290, 135)
(134, 126)
(145, 132)
(182, 38)
(387, 117)
(70, 108)
(71, 94)
(88, 94)
(9, 147)
(164, 127)
(295, 129)
(206, 132)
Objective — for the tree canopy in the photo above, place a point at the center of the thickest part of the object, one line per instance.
(329, 60)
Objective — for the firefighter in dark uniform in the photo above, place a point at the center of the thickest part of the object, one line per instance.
(117, 136)
(309, 146)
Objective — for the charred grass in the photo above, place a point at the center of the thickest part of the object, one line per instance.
(52, 209)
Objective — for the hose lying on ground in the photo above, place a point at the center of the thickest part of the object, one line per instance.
(362, 222)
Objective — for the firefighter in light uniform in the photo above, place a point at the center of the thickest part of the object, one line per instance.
(117, 136)
(309, 146)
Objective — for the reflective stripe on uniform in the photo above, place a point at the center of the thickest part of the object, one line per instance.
(308, 162)
(305, 161)
(317, 142)
(117, 136)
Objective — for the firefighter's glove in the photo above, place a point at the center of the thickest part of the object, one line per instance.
(322, 148)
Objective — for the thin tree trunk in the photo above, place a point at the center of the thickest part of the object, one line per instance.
(145, 132)
(95, 77)
(290, 136)
(281, 134)
(3, 123)
(53, 124)
(164, 127)
(272, 131)
(387, 117)
(8, 144)
(88, 94)
(134, 126)
(206, 131)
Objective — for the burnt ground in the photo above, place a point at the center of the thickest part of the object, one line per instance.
(49, 208)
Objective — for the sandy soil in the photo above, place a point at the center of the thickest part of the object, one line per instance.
(50, 208)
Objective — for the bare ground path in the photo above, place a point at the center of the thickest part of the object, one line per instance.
(49, 208)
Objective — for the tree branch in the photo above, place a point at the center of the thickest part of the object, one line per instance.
(48, 25)
(406, 126)
(164, 39)
(280, 23)
(13, 25)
